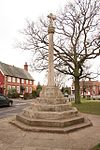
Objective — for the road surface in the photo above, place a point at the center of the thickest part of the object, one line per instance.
(18, 106)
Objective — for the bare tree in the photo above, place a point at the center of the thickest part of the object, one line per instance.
(76, 40)
(61, 79)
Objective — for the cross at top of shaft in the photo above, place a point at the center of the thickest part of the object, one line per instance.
(51, 19)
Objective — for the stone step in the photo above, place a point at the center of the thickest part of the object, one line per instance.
(50, 115)
(36, 106)
(50, 123)
(68, 129)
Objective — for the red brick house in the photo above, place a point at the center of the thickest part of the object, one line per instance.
(14, 77)
(88, 88)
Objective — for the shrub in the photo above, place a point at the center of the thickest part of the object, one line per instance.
(12, 93)
(28, 96)
(34, 94)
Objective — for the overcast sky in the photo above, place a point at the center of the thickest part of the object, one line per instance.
(13, 14)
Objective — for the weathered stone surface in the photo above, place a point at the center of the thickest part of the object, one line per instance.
(30, 113)
(50, 123)
(51, 92)
(68, 129)
(51, 95)
(50, 107)
(51, 113)
(59, 117)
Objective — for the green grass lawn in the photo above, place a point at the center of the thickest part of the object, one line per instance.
(88, 106)
(91, 107)
(97, 147)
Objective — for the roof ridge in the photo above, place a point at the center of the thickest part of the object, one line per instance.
(15, 71)
(11, 65)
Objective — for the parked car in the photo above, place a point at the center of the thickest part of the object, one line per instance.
(95, 97)
(65, 95)
(5, 101)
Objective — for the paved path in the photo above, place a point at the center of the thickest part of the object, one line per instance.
(12, 138)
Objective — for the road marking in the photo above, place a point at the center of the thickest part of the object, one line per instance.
(18, 104)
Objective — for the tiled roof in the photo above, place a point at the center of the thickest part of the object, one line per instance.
(13, 71)
(90, 83)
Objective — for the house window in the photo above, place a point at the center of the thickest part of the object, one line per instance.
(13, 87)
(9, 79)
(18, 80)
(94, 88)
(18, 89)
(30, 90)
(26, 81)
(22, 80)
(26, 89)
(8, 87)
(30, 82)
(13, 79)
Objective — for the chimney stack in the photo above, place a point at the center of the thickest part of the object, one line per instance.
(26, 66)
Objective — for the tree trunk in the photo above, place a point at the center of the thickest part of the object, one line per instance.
(77, 91)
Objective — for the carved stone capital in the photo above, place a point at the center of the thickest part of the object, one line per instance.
(51, 30)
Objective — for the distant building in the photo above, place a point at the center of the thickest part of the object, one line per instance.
(88, 88)
(14, 77)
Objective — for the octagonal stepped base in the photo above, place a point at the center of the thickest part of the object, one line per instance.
(50, 123)
(50, 113)
(68, 129)
(64, 121)
(36, 106)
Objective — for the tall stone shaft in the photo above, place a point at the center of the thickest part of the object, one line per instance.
(51, 31)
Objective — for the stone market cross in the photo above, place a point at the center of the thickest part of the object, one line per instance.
(50, 112)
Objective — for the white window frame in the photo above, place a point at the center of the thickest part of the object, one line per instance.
(22, 80)
(9, 87)
(14, 79)
(13, 87)
(26, 89)
(30, 90)
(18, 89)
(26, 81)
(18, 80)
(30, 81)
(9, 79)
